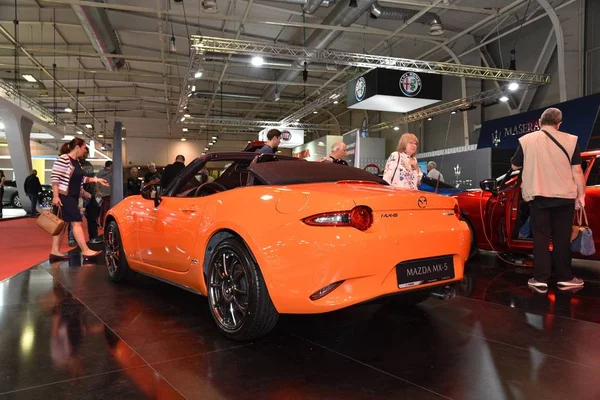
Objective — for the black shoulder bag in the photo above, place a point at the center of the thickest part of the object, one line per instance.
(558, 144)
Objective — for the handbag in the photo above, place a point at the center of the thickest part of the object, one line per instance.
(584, 241)
(50, 222)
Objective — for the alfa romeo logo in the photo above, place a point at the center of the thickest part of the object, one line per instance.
(422, 202)
(360, 89)
(410, 84)
(286, 136)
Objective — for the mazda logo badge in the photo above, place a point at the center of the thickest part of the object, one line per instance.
(422, 202)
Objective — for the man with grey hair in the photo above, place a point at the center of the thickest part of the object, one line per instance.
(338, 152)
(153, 176)
(433, 173)
(554, 185)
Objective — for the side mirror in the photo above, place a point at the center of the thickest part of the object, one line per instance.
(152, 192)
(488, 185)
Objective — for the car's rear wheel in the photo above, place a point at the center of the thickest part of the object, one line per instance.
(114, 255)
(46, 201)
(237, 295)
(15, 201)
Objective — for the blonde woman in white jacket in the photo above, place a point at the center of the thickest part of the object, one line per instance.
(401, 169)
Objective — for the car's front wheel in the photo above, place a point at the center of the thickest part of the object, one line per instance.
(114, 255)
(237, 295)
(15, 201)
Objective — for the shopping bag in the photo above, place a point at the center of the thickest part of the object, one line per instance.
(584, 242)
(50, 222)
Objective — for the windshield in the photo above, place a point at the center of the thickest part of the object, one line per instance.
(294, 173)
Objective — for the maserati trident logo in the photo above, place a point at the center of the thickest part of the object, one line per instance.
(422, 202)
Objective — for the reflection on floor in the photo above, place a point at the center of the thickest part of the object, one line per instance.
(67, 332)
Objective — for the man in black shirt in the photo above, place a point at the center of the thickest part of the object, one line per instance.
(153, 176)
(273, 140)
(338, 152)
(172, 170)
(32, 187)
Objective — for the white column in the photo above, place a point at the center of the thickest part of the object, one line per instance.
(18, 132)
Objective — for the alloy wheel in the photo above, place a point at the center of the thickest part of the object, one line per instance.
(229, 290)
(112, 250)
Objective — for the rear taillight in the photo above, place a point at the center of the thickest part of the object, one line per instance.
(360, 217)
(457, 211)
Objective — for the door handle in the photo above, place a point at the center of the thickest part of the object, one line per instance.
(188, 209)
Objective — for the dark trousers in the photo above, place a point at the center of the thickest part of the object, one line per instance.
(34, 200)
(104, 209)
(91, 215)
(553, 223)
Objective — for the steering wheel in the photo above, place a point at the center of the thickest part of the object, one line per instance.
(209, 188)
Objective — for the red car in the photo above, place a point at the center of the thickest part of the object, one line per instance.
(496, 214)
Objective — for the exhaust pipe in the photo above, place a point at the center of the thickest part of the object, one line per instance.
(443, 293)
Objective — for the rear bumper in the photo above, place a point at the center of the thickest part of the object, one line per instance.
(307, 259)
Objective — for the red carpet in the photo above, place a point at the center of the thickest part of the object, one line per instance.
(23, 244)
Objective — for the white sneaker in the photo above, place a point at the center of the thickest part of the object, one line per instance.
(534, 283)
(575, 282)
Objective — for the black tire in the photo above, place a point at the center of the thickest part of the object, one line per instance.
(46, 201)
(114, 255)
(238, 298)
(15, 201)
(410, 299)
(474, 250)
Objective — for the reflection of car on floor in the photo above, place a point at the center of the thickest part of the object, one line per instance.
(504, 211)
(278, 235)
(11, 195)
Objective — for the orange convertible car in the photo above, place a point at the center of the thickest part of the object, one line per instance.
(278, 235)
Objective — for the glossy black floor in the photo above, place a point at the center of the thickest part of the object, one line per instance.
(67, 332)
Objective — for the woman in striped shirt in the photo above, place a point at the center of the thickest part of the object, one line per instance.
(67, 186)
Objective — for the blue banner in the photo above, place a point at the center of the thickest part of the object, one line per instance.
(579, 118)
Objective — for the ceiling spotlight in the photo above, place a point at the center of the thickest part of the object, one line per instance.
(315, 112)
(187, 115)
(503, 99)
(206, 149)
(214, 138)
(453, 112)
(29, 78)
(336, 102)
(513, 86)
(353, 4)
(100, 136)
(102, 148)
(297, 120)
(173, 46)
(68, 110)
(89, 126)
(182, 118)
(198, 74)
(396, 128)
(194, 88)
(249, 141)
(183, 139)
(429, 119)
(80, 132)
(257, 61)
(185, 129)
(277, 96)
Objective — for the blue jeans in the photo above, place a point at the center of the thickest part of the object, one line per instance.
(34, 200)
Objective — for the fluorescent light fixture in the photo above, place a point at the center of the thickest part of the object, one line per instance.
(336, 102)
(453, 112)
(185, 129)
(249, 141)
(2, 126)
(513, 86)
(89, 126)
(68, 138)
(198, 74)
(29, 78)
(182, 119)
(396, 128)
(68, 110)
(100, 135)
(297, 120)
(187, 115)
(429, 119)
(206, 149)
(503, 99)
(102, 148)
(214, 138)
(41, 136)
(193, 88)
(334, 96)
(315, 112)
(80, 132)
(183, 139)
(257, 61)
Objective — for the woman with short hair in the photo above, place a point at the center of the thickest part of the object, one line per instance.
(67, 186)
(401, 169)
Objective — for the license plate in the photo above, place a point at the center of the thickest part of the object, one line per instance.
(427, 270)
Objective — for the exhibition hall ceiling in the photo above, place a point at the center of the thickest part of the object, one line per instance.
(141, 87)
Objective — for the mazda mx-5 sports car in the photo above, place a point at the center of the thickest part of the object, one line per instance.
(496, 214)
(276, 235)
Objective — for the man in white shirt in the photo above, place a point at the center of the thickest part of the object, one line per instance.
(433, 173)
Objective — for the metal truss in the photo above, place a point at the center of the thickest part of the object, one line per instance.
(204, 44)
(10, 93)
(228, 122)
(336, 94)
(456, 105)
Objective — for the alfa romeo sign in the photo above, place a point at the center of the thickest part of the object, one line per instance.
(410, 84)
